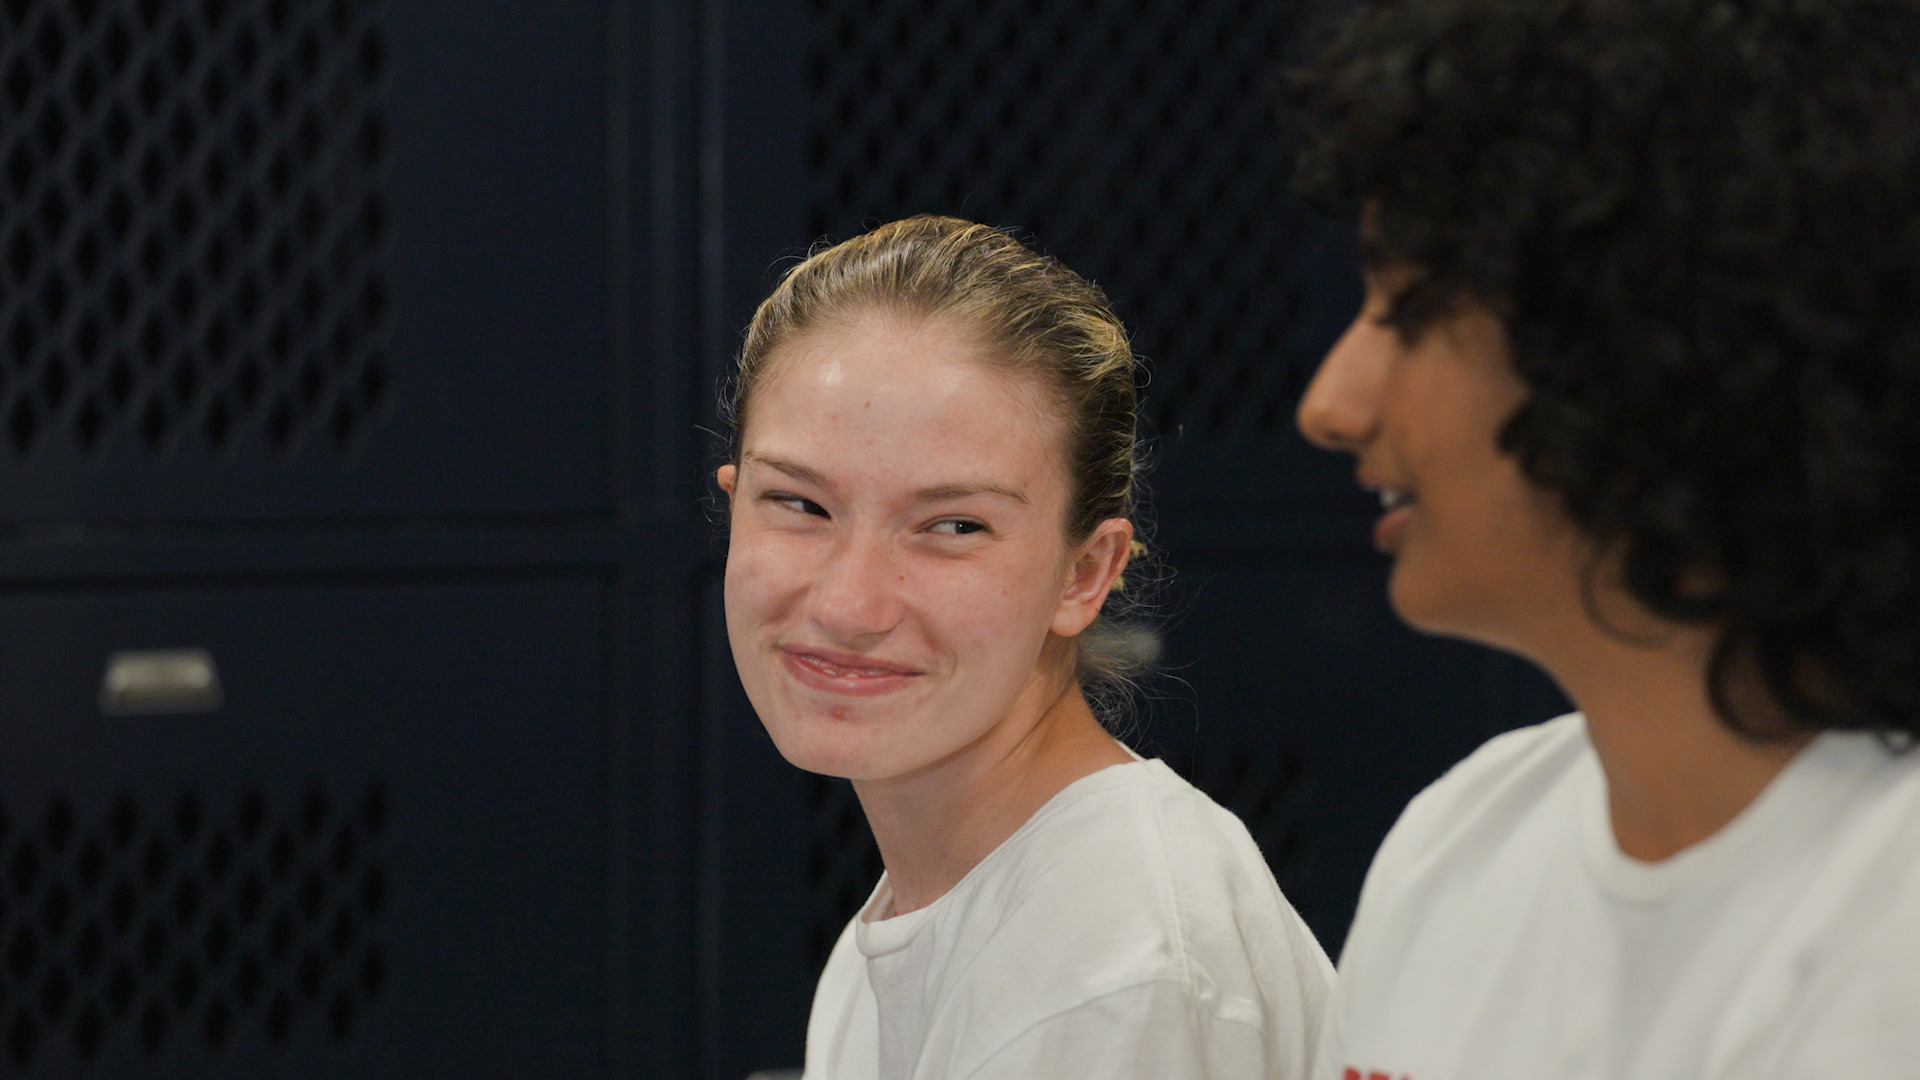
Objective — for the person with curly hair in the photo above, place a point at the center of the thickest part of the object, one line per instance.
(1637, 379)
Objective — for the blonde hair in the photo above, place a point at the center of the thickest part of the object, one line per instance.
(1037, 318)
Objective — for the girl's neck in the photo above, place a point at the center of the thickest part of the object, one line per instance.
(935, 825)
(1676, 773)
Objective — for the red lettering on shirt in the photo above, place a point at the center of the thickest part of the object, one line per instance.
(1352, 1073)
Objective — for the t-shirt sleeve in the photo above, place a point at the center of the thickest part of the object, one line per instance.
(1153, 1031)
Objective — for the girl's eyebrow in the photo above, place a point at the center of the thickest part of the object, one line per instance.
(938, 493)
(945, 492)
(792, 469)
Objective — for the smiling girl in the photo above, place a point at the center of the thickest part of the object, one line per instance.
(932, 490)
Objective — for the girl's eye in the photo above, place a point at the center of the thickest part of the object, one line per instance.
(958, 527)
(797, 504)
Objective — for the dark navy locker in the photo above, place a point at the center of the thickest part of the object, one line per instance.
(379, 856)
(769, 909)
(277, 260)
(338, 340)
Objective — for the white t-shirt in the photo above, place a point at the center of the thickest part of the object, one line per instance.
(1503, 935)
(1129, 929)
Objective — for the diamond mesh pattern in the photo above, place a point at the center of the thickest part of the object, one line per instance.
(191, 228)
(156, 925)
(1137, 139)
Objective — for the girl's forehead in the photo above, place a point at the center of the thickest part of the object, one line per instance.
(910, 404)
(909, 364)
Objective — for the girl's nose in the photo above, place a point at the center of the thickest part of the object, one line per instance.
(856, 597)
(1341, 405)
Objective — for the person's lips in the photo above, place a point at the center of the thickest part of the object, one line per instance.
(1397, 508)
(843, 673)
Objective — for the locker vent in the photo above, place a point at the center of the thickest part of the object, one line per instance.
(1139, 140)
(191, 225)
(843, 865)
(158, 926)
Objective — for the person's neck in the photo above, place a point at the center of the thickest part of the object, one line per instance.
(1676, 773)
(936, 824)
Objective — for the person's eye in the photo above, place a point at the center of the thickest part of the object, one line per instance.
(796, 503)
(1406, 316)
(1410, 310)
(957, 527)
(1396, 311)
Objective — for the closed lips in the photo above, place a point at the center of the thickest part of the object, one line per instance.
(841, 666)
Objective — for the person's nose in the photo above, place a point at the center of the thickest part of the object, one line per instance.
(857, 597)
(1341, 407)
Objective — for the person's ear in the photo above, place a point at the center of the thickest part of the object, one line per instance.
(1097, 565)
(726, 476)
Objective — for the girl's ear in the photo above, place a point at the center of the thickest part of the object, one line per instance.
(1097, 565)
(727, 475)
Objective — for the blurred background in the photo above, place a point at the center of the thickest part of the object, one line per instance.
(365, 705)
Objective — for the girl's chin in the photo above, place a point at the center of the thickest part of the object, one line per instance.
(838, 766)
(830, 746)
(846, 754)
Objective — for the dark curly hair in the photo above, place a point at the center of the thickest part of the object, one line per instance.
(1700, 222)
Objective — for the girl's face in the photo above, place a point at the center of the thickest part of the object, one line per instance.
(899, 577)
(1479, 551)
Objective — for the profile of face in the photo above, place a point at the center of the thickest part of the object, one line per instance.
(1479, 551)
(899, 578)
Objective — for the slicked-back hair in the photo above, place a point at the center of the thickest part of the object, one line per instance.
(1037, 318)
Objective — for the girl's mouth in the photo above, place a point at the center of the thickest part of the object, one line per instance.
(1396, 510)
(839, 673)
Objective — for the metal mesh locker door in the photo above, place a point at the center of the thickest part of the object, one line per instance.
(300, 258)
(368, 861)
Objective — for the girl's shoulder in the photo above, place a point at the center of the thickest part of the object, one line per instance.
(1136, 863)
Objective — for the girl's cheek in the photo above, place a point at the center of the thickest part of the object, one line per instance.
(763, 572)
(746, 567)
(987, 603)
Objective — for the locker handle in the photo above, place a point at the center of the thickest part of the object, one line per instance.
(143, 682)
